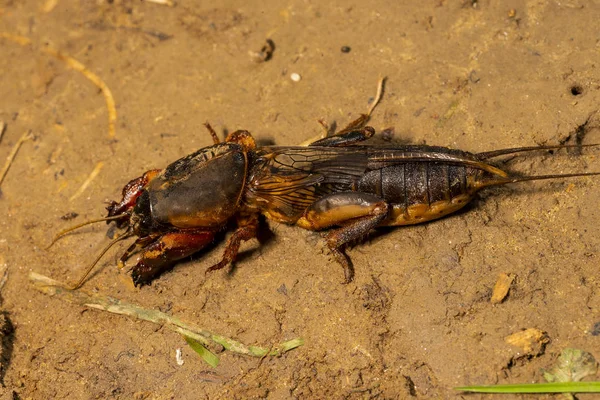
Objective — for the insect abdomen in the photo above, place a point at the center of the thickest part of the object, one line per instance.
(420, 191)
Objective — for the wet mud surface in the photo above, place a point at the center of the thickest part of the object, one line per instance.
(417, 321)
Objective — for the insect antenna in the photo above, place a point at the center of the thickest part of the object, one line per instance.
(93, 221)
(502, 152)
(125, 235)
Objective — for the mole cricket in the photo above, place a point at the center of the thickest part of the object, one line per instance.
(335, 184)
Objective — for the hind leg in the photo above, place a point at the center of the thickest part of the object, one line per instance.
(356, 214)
(354, 132)
(346, 137)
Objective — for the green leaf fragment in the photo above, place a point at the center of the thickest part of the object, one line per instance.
(290, 345)
(563, 387)
(197, 337)
(209, 357)
(572, 366)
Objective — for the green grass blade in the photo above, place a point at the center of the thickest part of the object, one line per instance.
(210, 358)
(203, 336)
(289, 345)
(562, 387)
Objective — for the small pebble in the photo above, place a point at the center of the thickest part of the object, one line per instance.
(179, 357)
(295, 77)
(346, 49)
(502, 287)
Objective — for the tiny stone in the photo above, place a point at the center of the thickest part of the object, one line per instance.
(596, 329)
(282, 289)
(295, 77)
(179, 357)
(346, 49)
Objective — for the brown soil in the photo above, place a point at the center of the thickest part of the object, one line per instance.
(417, 321)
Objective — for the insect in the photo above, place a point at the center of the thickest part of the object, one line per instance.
(334, 184)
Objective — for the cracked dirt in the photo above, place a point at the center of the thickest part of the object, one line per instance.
(417, 321)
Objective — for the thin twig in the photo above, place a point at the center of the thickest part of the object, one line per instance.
(49, 5)
(169, 3)
(3, 273)
(87, 182)
(2, 128)
(378, 96)
(25, 137)
(22, 40)
(362, 120)
(54, 288)
(79, 67)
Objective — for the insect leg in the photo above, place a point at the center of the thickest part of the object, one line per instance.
(247, 229)
(140, 243)
(166, 250)
(356, 131)
(240, 136)
(212, 133)
(361, 121)
(357, 213)
(346, 137)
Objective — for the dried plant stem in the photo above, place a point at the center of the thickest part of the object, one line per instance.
(54, 288)
(2, 127)
(169, 3)
(358, 123)
(87, 182)
(79, 67)
(25, 137)
(3, 273)
(96, 80)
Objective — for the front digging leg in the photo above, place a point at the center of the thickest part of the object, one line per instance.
(163, 252)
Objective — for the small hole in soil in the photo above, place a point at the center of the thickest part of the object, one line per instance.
(576, 90)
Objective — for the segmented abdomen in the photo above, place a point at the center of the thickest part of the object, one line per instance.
(420, 191)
